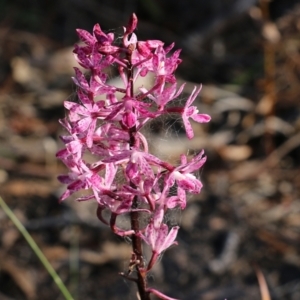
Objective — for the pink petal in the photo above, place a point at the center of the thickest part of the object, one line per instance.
(69, 105)
(82, 125)
(154, 43)
(82, 59)
(84, 98)
(110, 174)
(80, 80)
(170, 239)
(129, 119)
(159, 294)
(172, 202)
(182, 196)
(162, 233)
(63, 153)
(118, 158)
(90, 133)
(108, 49)
(143, 48)
(150, 235)
(193, 96)
(201, 118)
(169, 48)
(85, 198)
(65, 195)
(75, 147)
(188, 128)
(64, 179)
(158, 217)
(86, 37)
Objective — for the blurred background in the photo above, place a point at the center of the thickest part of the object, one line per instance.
(242, 233)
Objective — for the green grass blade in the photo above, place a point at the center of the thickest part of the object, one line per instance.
(36, 250)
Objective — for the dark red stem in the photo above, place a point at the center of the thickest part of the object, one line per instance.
(137, 249)
(135, 215)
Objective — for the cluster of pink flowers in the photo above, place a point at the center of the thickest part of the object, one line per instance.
(105, 151)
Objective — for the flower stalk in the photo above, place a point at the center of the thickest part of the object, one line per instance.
(106, 153)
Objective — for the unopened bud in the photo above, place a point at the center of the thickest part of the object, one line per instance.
(132, 24)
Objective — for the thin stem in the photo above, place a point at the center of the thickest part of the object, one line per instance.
(137, 249)
(36, 250)
(134, 215)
